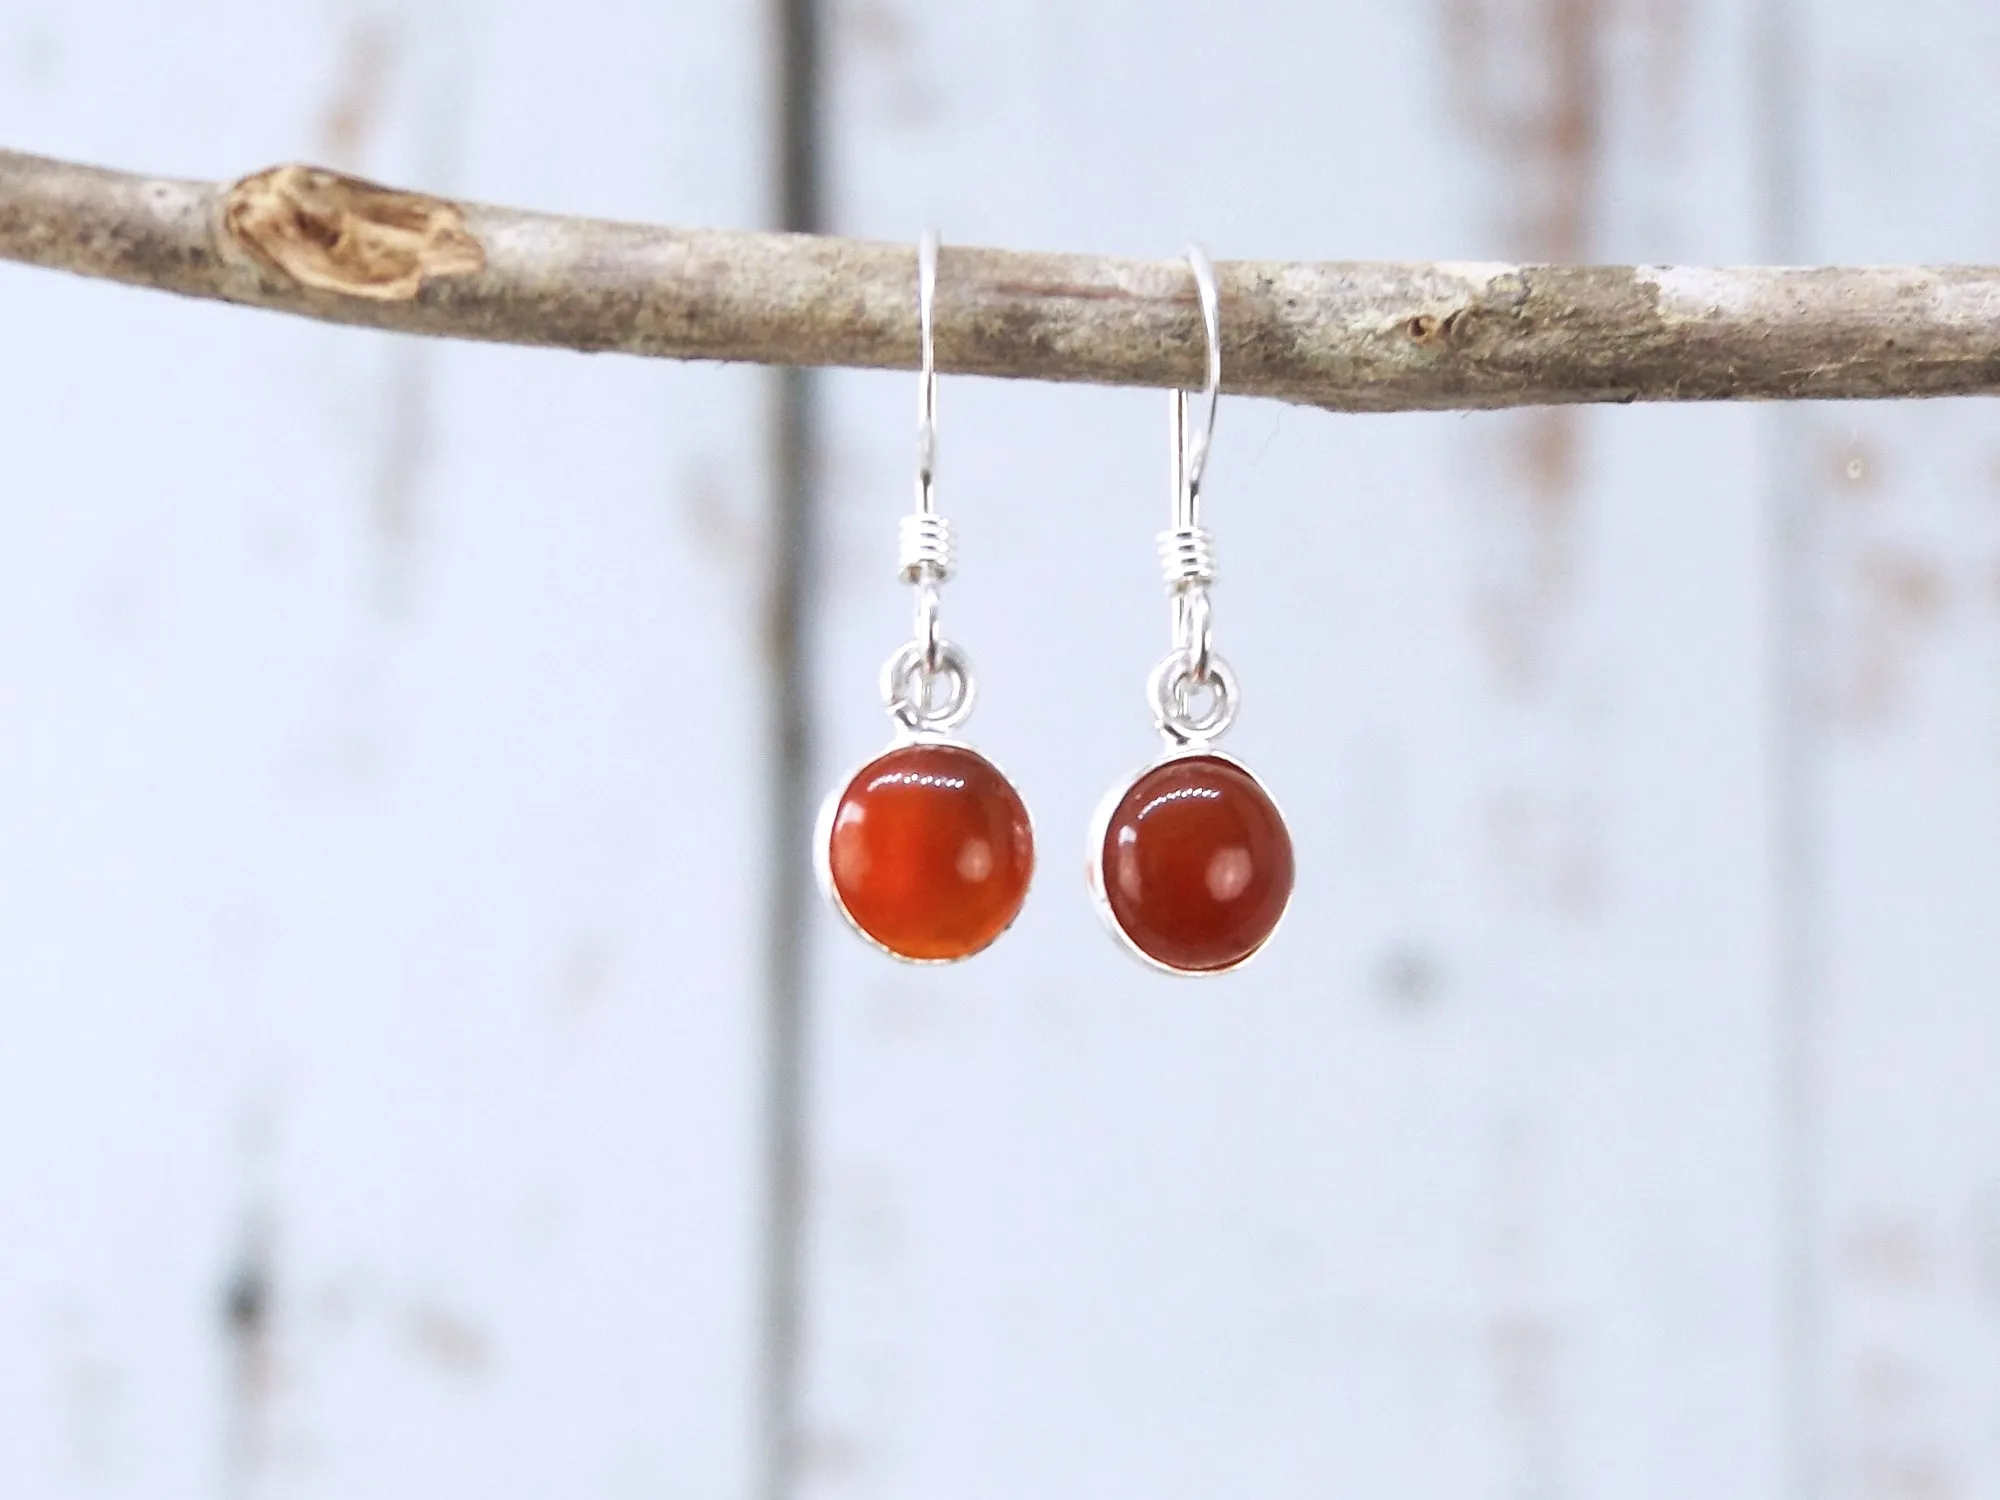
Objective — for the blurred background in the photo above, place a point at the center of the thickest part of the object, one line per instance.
(412, 1001)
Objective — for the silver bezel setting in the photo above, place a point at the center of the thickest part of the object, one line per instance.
(1100, 825)
(823, 844)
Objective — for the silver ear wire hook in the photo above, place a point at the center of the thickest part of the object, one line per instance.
(1191, 449)
(927, 258)
(1187, 553)
(912, 676)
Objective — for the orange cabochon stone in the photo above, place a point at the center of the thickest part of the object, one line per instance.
(931, 851)
(1197, 864)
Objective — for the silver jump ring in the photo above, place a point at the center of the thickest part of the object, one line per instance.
(1170, 690)
(909, 685)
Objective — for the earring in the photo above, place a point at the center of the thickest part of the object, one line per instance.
(1190, 862)
(927, 850)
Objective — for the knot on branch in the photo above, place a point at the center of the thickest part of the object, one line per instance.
(1429, 329)
(335, 233)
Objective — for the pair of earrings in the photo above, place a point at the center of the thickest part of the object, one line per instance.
(927, 850)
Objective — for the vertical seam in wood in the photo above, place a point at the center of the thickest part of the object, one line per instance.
(789, 608)
(1793, 822)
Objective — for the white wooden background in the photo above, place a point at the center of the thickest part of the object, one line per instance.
(382, 801)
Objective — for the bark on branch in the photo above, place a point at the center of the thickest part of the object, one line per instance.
(1345, 336)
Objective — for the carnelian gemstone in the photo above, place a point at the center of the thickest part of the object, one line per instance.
(931, 851)
(1197, 864)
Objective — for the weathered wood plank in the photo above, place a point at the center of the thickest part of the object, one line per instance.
(1464, 1187)
(1900, 900)
(382, 948)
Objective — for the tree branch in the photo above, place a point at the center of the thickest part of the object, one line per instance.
(1350, 337)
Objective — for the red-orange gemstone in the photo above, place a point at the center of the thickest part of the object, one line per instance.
(930, 851)
(1197, 864)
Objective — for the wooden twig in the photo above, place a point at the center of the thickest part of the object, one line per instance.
(1347, 336)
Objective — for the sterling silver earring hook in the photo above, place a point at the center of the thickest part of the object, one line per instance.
(1191, 449)
(913, 677)
(927, 257)
(1193, 670)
